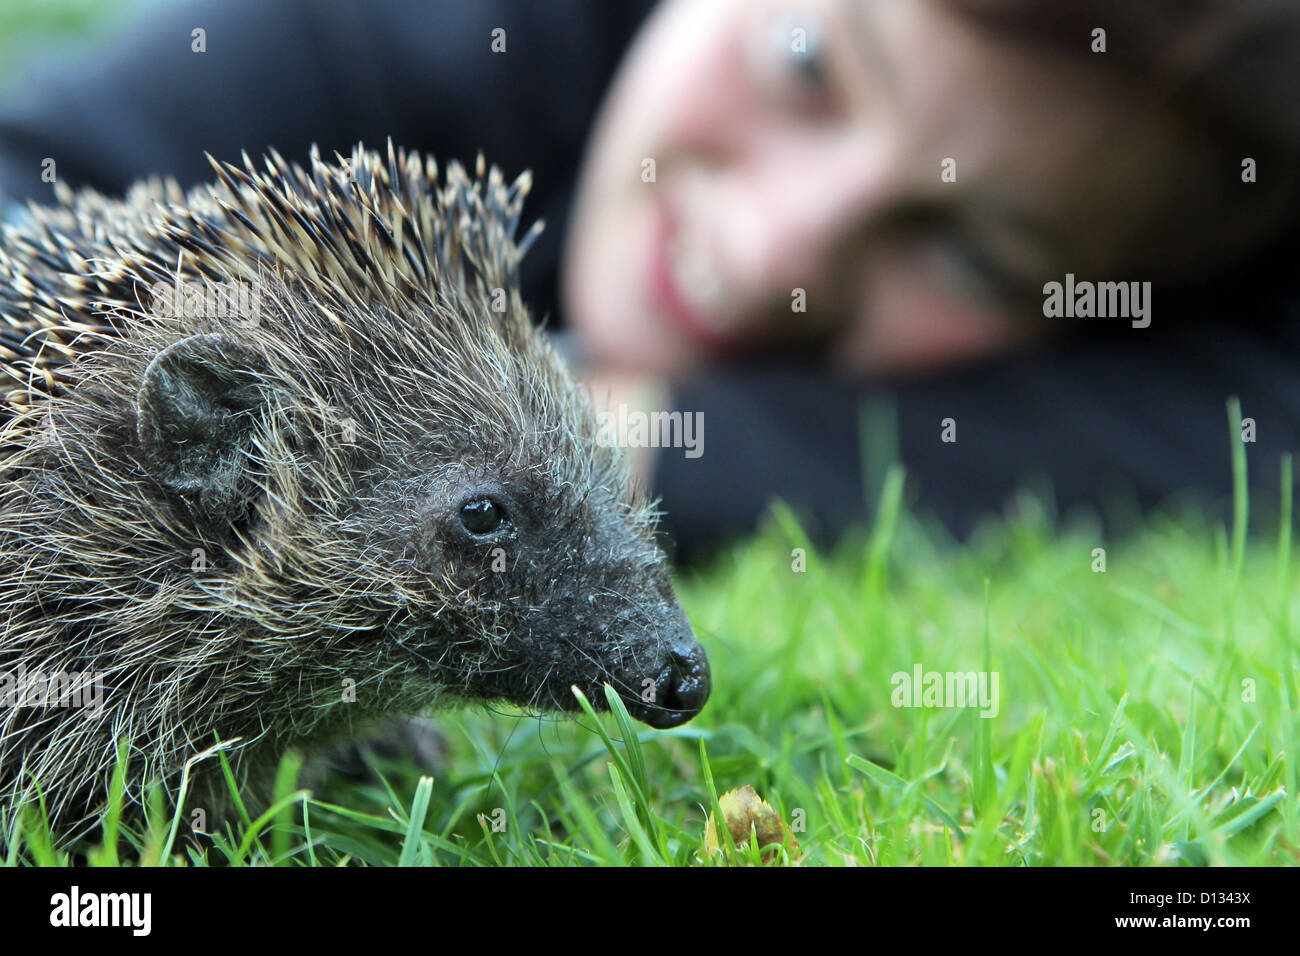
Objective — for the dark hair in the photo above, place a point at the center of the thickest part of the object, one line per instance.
(1228, 69)
(1239, 58)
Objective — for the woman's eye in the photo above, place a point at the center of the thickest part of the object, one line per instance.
(481, 516)
(805, 53)
(792, 56)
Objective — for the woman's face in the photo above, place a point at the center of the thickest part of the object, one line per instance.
(803, 145)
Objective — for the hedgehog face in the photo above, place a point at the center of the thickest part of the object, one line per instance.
(509, 574)
(575, 590)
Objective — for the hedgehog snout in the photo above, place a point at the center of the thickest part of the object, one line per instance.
(681, 683)
(685, 688)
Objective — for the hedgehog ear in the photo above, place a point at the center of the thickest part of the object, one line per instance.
(196, 415)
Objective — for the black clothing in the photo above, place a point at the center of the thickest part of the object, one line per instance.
(290, 73)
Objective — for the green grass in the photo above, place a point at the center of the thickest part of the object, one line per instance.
(1145, 719)
(32, 30)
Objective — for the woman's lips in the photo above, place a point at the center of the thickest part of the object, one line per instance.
(673, 266)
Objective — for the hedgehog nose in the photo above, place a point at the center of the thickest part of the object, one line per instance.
(685, 688)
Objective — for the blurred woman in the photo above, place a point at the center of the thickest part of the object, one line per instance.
(784, 211)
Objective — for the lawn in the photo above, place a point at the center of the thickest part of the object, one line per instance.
(1143, 717)
(36, 30)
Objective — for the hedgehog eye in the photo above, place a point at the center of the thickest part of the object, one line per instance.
(481, 516)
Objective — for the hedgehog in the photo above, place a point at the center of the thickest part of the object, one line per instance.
(286, 454)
